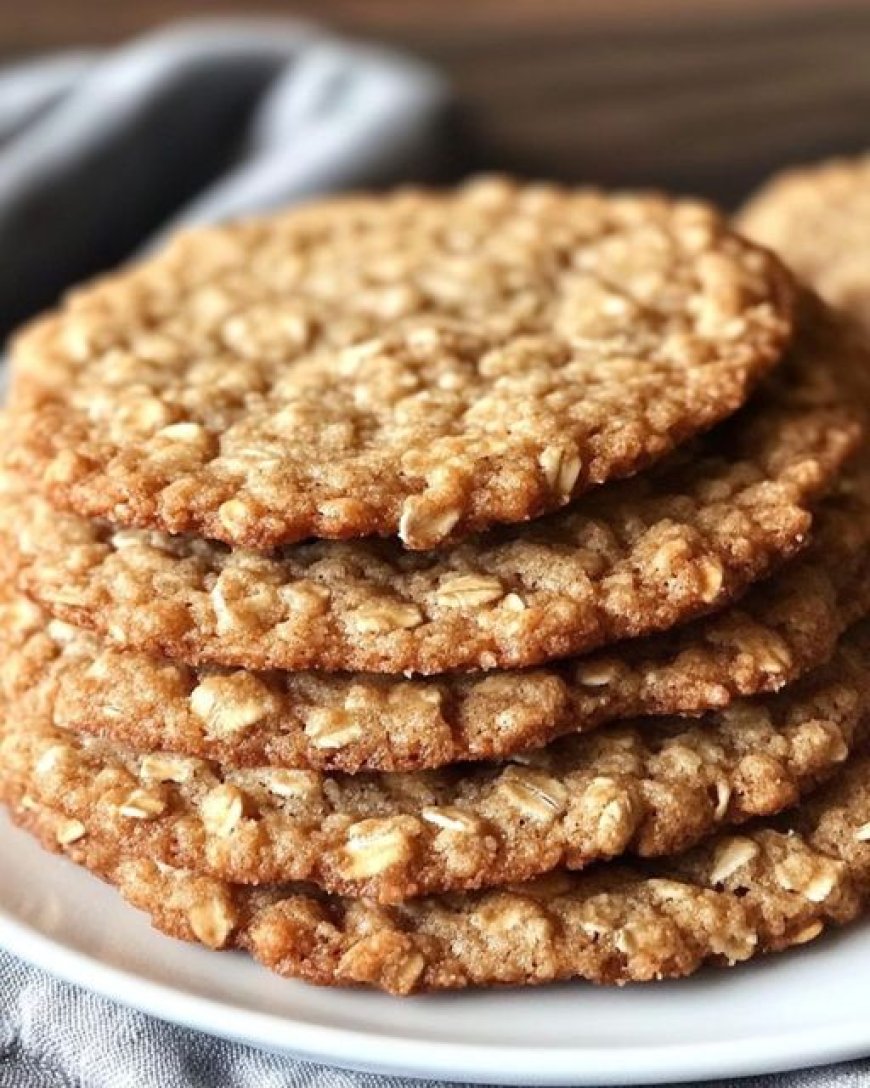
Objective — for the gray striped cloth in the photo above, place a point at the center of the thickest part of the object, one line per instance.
(57, 1036)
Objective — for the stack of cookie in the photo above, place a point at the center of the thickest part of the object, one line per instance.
(375, 569)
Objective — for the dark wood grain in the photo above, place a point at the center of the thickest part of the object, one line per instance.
(705, 97)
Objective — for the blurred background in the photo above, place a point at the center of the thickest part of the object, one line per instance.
(700, 97)
(705, 96)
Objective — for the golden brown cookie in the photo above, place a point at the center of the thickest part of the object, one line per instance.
(782, 628)
(427, 364)
(817, 218)
(634, 557)
(778, 885)
(642, 788)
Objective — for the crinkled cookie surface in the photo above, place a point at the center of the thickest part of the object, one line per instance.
(779, 630)
(630, 559)
(643, 788)
(774, 886)
(423, 364)
(817, 218)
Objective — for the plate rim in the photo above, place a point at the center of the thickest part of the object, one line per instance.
(363, 1050)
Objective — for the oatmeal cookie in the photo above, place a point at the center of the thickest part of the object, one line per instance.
(633, 558)
(780, 630)
(640, 788)
(778, 885)
(816, 218)
(422, 364)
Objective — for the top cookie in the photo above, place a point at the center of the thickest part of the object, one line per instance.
(427, 364)
(818, 219)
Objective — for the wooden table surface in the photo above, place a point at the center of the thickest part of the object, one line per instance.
(701, 96)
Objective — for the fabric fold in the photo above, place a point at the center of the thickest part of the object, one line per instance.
(99, 153)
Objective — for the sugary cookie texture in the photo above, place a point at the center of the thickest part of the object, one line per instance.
(774, 886)
(630, 559)
(779, 630)
(817, 218)
(640, 788)
(423, 364)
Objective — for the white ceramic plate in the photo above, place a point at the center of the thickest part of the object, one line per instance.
(803, 1008)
